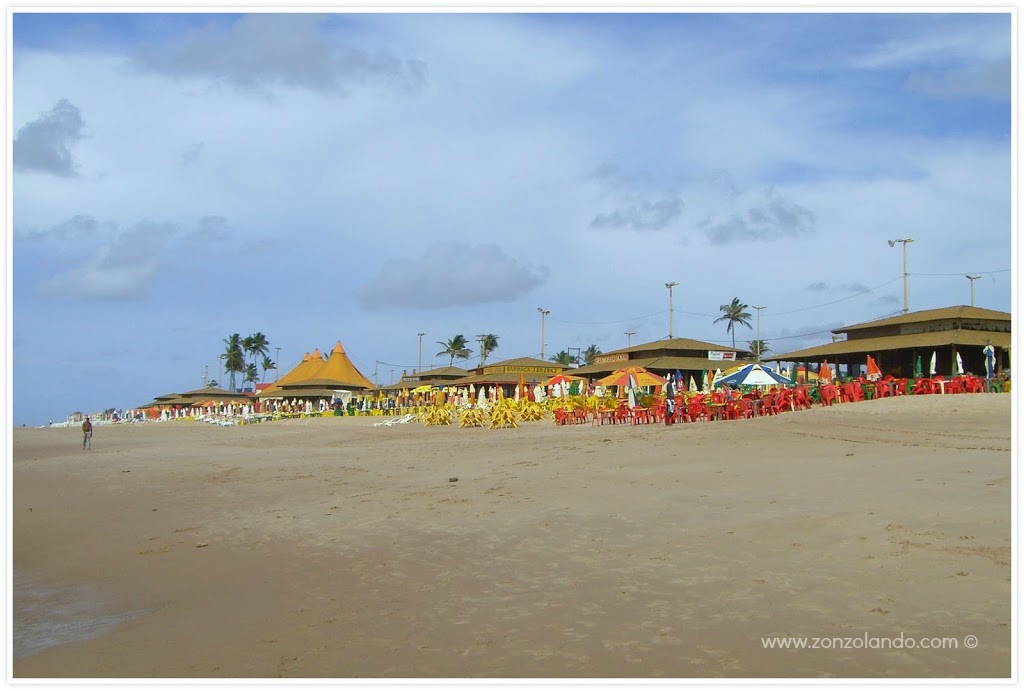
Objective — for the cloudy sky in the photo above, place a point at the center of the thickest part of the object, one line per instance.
(366, 177)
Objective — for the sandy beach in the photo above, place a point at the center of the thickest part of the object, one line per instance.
(333, 548)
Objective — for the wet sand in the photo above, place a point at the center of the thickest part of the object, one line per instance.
(332, 548)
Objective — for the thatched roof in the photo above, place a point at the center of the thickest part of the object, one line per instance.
(931, 339)
(961, 312)
(676, 344)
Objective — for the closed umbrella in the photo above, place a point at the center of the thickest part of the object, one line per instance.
(824, 374)
(918, 370)
(935, 357)
(631, 392)
(990, 360)
(693, 384)
(874, 372)
(705, 387)
(959, 364)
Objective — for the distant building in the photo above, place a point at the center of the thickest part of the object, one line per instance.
(896, 342)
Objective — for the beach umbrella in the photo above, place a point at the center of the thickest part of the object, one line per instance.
(874, 372)
(631, 391)
(917, 368)
(561, 380)
(824, 373)
(693, 384)
(705, 385)
(792, 375)
(959, 364)
(753, 374)
(935, 357)
(642, 377)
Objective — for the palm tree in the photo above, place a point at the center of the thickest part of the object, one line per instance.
(758, 348)
(488, 343)
(267, 364)
(256, 345)
(455, 348)
(563, 358)
(251, 375)
(212, 384)
(734, 314)
(591, 353)
(234, 361)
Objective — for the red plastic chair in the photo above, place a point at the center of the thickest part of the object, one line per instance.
(697, 410)
(828, 394)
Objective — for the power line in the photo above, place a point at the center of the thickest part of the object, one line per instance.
(826, 304)
(962, 273)
(646, 316)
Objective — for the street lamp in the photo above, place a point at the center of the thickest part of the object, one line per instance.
(758, 330)
(972, 279)
(892, 243)
(670, 286)
(629, 337)
(419, 360)
(543, 313)
(277, 364)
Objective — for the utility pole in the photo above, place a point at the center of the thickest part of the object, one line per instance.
(577, 358)
(392, 379)
(206, 374)
(375, 365)
(972, 279)
(277, 364)
(758, 330)
(906, 301)
(419, 360)
(543, 313)
(480, 339)
(629, 337)
(670, 286)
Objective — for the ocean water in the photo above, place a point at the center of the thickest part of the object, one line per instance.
(48, 615)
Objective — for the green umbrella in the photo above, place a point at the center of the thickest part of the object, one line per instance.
(792, 375)
(917, 368)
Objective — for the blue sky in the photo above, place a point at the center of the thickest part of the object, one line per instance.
(366, 177)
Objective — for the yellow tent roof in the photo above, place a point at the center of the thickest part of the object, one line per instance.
(306, 369)
(337, 370)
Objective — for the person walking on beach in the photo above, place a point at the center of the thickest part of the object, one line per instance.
(87, 433)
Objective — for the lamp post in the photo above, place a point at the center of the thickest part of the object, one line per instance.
(892, 243)
(419, 360)
(543, 313)
(629, 337)
(972, 279)
(758, 330)
(277, 364)
(670, 286)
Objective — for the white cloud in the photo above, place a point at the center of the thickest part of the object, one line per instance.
(44, 145)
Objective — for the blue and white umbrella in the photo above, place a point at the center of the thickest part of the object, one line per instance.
(752, 375)
(631, 391)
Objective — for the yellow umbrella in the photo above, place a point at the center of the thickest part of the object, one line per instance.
(620, 377)
(421, 389)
